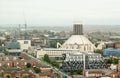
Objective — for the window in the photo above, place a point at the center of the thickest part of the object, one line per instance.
(25, 42)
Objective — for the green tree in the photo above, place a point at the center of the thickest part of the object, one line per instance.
(8, 76)
(71, 72)
(115, 61)
(56, 64)
(28, 65)
(51, 34)
(37, 70)
(53, 43)
(46, 58)
(35, 31)
(25, 77)
(79, 72)
(6, 52)
(108, 61)
(111, 61)
(99, 51)
(58, 75)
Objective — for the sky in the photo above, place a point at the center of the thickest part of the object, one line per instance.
(60, 12)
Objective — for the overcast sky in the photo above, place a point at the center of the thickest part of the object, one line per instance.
(60, 12)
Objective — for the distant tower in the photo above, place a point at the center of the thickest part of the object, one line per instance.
(77, 29)
(25, 34)
(25, 31)
(19, 30)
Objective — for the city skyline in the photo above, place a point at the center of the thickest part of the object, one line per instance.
(62, 12)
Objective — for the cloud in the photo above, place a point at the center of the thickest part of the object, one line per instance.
(60, 11)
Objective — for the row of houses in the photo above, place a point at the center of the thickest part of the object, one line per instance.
(16, 66)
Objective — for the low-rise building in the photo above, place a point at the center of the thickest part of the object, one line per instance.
(13, 48)
(24, 44)
(110, 51)
(93, 73)
(39, 41)
(117, 45)
(115, 75)
(17, 66)
(54, 52)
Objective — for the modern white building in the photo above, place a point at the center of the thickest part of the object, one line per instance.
(83, 60)
(80, 56)
(54, 52)
(24, 44)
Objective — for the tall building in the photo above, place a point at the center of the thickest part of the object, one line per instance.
(77, 29)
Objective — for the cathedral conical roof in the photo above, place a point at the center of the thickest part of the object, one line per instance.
(78, 42)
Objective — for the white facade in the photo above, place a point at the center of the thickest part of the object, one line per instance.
(80, 56)
(54, 52)
(24, 44)
(78, 42)
(13, 50)
(87, 74)
(113, 67)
